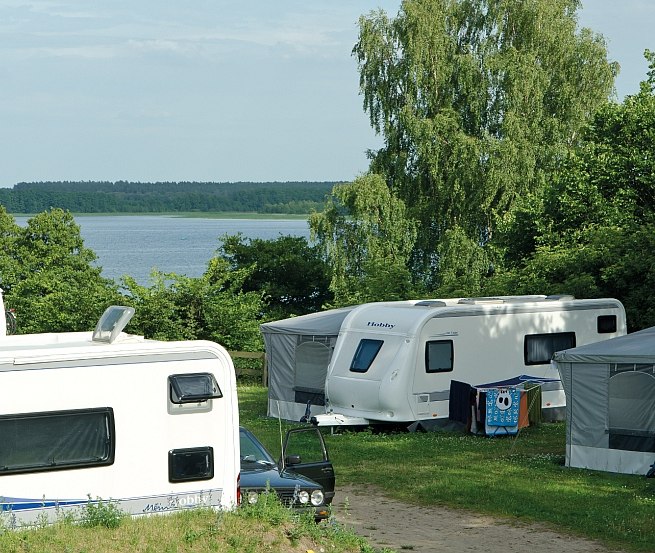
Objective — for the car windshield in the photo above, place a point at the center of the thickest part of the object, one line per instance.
(252, 452)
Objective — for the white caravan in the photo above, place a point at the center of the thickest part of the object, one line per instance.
(3, 321)
(393, 362)
(152, 426)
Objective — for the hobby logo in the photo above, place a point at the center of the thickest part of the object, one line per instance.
(380, 325)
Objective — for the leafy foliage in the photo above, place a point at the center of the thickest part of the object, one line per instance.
(291, 274)
(590, 231)
(475, 101)
(48, 275)
(212, 307)
(367, 238)
(102, 513)
(138, 197)
(49, 278)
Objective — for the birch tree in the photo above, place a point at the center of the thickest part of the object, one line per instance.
(475, 101)
(367, 239)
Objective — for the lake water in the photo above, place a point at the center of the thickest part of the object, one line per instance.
(134, 245)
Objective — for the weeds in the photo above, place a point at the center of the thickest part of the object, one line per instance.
(100, 513)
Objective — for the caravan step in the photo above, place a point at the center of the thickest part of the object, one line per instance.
(334, 419)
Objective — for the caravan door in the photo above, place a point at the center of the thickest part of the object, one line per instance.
(433, 371)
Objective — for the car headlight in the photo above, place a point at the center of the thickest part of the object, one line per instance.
(252, 497)
(317, 498)
(303, 496)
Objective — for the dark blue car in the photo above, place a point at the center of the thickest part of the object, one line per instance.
(303, 478)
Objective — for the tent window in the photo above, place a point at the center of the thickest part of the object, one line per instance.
(366, 352)
(606, 324)
(36, 442)
(632, 367)
(439, 356)
(632, 407)
(327, 340)
(312, 359)
(538, 349)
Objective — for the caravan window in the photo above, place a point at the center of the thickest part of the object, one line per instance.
(193, 463)
(538, 349)
(193, 388)
(36, 442)
(606, 324)
(439, 356)
(366, 352)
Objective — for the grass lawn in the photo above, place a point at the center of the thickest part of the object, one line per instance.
(522, 477)
(266, 527)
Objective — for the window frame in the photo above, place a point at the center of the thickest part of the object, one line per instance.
(178, 398)
(551, 335)
(427, 356)
(357, 357)
(174, 454)
(101, 461)
(603, 320)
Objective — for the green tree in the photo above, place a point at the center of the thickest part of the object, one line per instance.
(49, 277)
(291, 273)
(9, 232)
(591, 231)
(476, 100)
(212, 307)
(367, 238)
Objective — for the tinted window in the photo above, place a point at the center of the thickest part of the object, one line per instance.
(192, 388)
(35, 442)
(195, 463)
(539, 348)
(252, 451)
(366, 352)
(606, 324)
(439, 356)
(307, 444)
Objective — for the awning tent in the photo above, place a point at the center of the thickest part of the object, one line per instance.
(298, 351)
(610, 403)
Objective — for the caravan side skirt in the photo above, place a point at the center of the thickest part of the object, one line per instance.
(18, 512)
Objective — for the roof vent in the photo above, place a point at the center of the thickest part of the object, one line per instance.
(560, 297)
(475, 301)
(112, 323)
(430, 303)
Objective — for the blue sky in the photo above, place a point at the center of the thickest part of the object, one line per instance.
(209, 90)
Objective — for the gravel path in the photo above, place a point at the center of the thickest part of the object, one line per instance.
(392, 524)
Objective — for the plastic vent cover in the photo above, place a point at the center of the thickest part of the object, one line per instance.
(112, 323)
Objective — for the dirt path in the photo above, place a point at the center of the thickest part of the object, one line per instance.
(392, 524)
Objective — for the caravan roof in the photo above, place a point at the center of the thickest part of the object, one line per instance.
(30, 349)
(407, 318)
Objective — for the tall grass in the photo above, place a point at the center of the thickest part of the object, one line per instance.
(267, 526)
(521, 478)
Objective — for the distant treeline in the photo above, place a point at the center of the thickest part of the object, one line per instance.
(158, 197)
